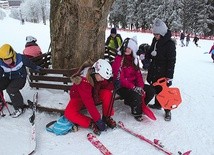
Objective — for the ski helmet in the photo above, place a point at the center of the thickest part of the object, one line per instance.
(30, 39)
(6, 52)
(103, 68)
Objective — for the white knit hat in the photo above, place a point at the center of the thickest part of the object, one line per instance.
(159, 27)
(132, 44)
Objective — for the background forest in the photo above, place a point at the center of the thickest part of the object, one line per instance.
(187, 15)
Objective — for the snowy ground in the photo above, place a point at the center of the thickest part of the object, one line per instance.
(191, 127)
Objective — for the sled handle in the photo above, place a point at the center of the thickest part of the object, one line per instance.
(161, 82)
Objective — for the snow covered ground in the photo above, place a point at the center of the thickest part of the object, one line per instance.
(191, 127)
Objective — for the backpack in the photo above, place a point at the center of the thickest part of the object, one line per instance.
(212, 52)
(61, 127)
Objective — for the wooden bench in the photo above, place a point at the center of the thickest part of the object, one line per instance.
(43, 60)
(58, 79)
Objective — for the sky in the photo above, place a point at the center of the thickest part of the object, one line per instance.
(191, 127)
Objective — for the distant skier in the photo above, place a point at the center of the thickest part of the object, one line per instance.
(187, 39)
(212, 52)
(195, 40)
(182, 36)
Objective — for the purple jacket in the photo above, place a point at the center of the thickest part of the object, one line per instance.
(212, 48)
(129, 76)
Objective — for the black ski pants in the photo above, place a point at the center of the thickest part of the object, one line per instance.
(152, 91)
(13, 88)
(132, 99)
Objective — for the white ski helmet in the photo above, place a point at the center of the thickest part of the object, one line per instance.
(103, 68)
(30, 39)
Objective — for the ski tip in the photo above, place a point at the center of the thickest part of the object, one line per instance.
(120, 124)
(186, 153)
(89, 134)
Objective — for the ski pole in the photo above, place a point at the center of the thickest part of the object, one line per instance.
(110, 107)
(3, 100)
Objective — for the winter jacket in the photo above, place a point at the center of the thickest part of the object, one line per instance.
(182, 36)
(19, 68)
(162, 65)
(188, 38)
(114, 42)
(129, 75)
(32, 50)
(85, 89)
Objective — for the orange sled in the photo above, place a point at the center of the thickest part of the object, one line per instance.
(169, 98)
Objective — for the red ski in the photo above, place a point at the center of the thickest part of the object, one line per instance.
(94, 141)
(155, 143)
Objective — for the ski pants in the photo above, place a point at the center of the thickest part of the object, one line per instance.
(156, 91)
(132, 99)
(73, 110)
(13, 88)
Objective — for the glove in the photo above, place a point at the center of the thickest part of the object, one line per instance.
(169, 82)
(38, 68)
(139, 90)
(101, 125)
(146, 64)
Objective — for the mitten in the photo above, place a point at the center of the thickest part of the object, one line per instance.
(38, 68)
(146, 64)
(101, 125)
(169, 82)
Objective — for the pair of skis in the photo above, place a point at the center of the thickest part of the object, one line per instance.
(156, 143)
(32, 105)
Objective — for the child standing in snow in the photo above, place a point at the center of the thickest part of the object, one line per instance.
(113, 44)
(13, 76)
(32, 49)
(162, 58)
(90, 88)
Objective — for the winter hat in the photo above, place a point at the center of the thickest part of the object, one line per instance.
(113, 31)
(30, 39)
(159, 27)
(132, 44)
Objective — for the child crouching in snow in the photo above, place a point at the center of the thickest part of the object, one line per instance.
(90, 88)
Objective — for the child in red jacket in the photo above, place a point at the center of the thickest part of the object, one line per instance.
(90, 88)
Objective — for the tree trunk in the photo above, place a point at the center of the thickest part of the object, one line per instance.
(77, 30)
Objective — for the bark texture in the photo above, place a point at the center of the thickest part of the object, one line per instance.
(77, 29)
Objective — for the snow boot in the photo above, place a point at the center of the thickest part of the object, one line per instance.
(139, 118)
(17, 113)
(154, 106)
(109, 122)
(167, 116)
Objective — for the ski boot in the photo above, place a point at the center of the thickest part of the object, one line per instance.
(109, 122)
(94, 128)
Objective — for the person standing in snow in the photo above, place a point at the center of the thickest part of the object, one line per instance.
(32, 49)
(182, 36)
(91, 87)
(13, 76)
(195, 40)
(212, 52)
(187, 39)
(112, 45)
(128, 78)
(162, 58)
